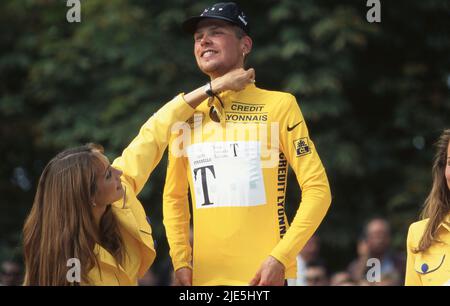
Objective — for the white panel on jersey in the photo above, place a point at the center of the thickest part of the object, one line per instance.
(227, 174)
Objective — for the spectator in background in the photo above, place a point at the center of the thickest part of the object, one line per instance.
(11, 273)
(376, 243)
(310, 253)
(316, 274)
(149, 279)
(342, 278)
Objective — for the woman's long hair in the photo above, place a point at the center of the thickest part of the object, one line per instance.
(61, 223)
(437, 204)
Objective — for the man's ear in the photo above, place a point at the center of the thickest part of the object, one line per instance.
(246, 44)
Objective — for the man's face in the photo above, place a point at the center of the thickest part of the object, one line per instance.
(378, 237)
(311, 249)
(217, 49)
(316, 276)
(10, 274)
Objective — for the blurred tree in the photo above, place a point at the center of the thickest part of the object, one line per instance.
(375, 95)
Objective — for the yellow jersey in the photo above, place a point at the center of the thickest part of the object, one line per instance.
(432, 267)
(237, 173)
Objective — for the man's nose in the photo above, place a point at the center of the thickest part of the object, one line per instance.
(205, 40)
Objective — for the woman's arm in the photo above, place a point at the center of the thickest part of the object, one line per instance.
(145, 151)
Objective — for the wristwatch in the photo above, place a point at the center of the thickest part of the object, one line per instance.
(208, 89)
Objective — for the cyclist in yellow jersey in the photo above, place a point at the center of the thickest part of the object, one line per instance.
(234, 155)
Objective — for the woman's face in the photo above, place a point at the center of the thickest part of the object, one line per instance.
(109, 188)
(447, 167)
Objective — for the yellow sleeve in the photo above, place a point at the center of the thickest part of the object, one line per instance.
(312, 179)
(411, 277)
(145, 151)
(176, 211)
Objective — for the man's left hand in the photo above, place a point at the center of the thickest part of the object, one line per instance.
(271, 273)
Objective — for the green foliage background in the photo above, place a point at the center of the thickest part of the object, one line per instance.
(375, 96)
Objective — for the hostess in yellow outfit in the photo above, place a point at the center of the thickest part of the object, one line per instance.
(137, 162)
(432, 267)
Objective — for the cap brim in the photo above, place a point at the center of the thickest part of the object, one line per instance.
(190, 25)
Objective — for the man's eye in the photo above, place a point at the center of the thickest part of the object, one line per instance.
(108, 175)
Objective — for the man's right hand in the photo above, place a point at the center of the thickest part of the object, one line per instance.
(183, 277)
(234, 80)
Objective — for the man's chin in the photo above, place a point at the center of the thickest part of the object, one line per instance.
(209, 67)
(208, 70)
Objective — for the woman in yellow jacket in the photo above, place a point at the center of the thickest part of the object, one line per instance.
(428, 243)
(73, 234)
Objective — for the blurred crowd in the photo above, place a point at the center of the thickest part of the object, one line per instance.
(388, 268)
(312, 268)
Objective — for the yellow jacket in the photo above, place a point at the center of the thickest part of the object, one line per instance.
(137, 162)
(431, 267)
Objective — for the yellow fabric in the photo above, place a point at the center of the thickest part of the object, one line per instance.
(432, 267)
(137, 162)
(231, 241)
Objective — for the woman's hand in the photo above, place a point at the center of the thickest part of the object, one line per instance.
(234, 80)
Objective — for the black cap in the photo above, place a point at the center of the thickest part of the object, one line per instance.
(228, 11)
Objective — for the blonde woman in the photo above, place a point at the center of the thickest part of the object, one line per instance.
(428, 243)
(86, 211)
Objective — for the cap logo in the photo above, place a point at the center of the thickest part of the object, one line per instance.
(242, 19)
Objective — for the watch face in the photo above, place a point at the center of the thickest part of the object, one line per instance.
(213, 114)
